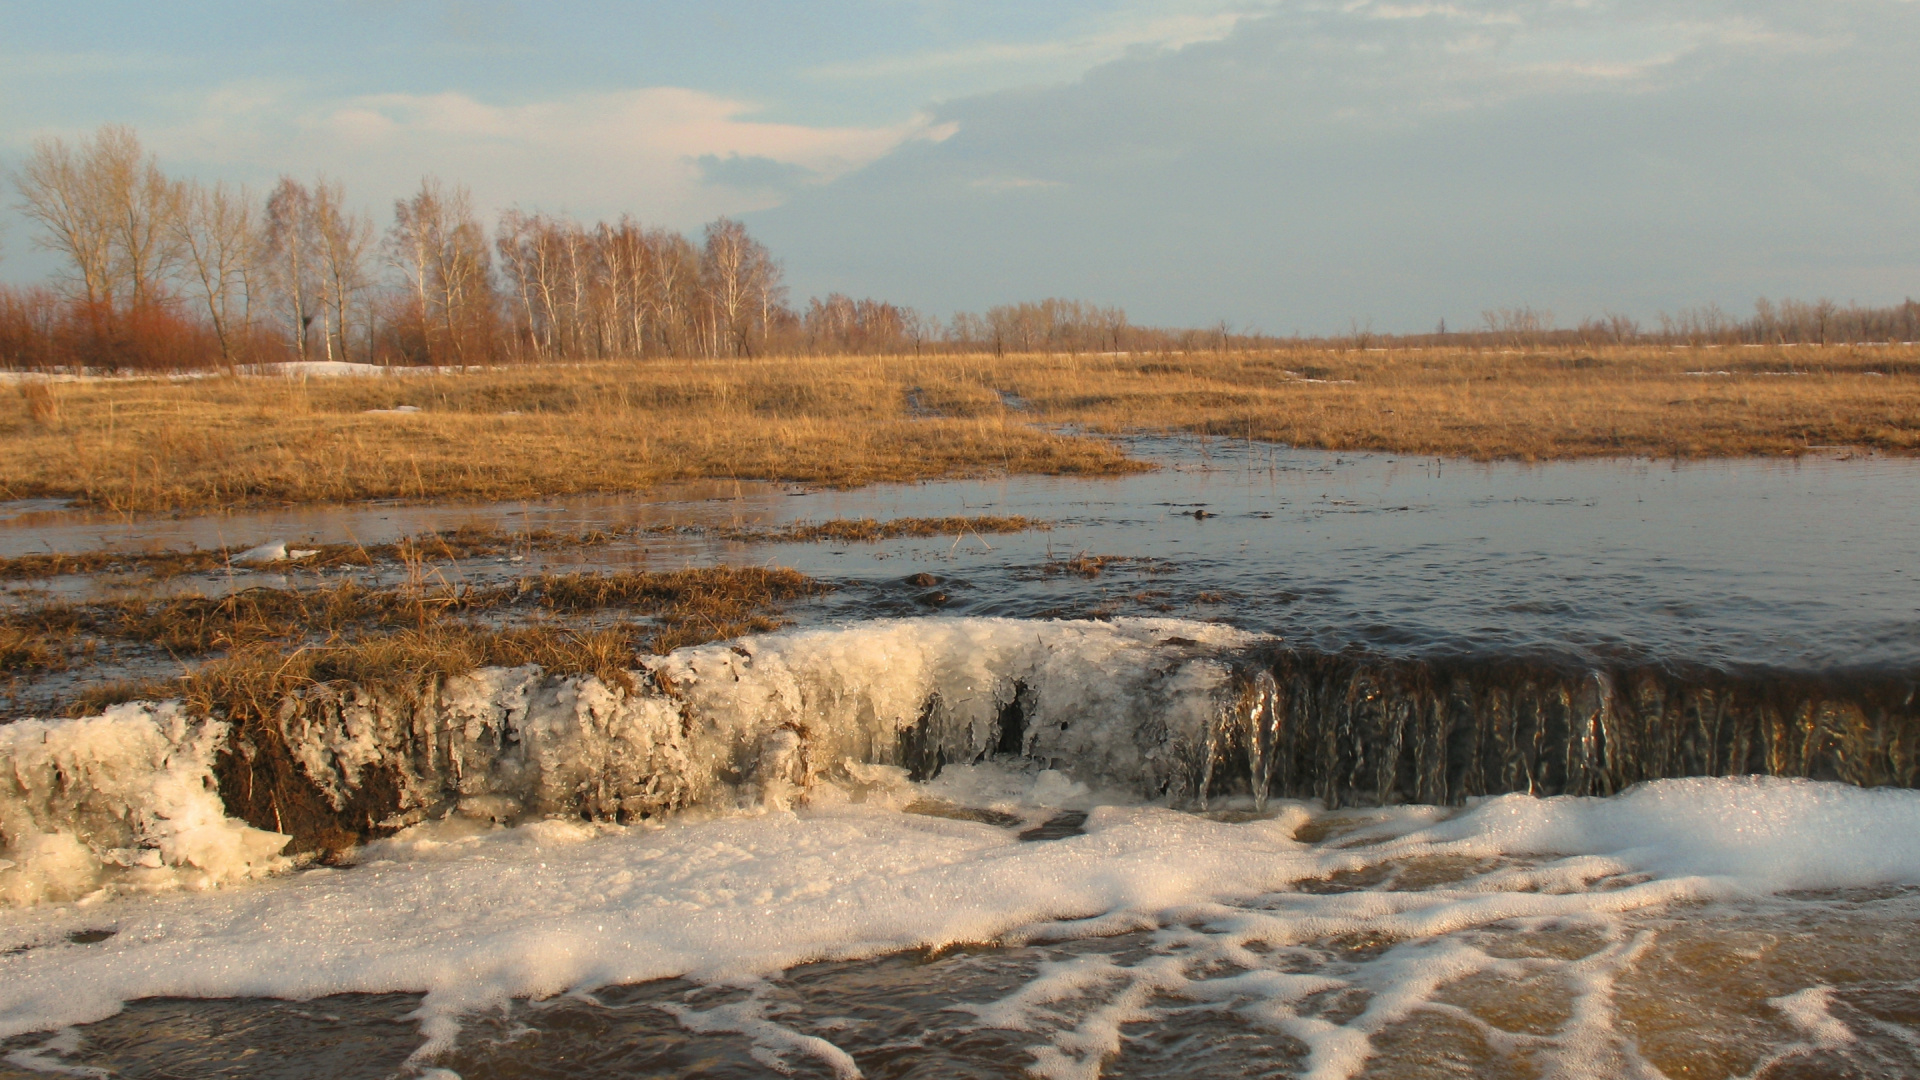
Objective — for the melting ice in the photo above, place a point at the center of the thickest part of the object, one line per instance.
(529, 863)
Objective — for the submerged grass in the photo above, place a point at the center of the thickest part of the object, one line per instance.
(465, 542)
(864, 530)
(523, 432)
(469, 542)
(270, 641)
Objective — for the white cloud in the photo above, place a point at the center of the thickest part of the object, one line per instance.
(1408, 160)
(1062, 57)
(1012, 183)
(594, 153)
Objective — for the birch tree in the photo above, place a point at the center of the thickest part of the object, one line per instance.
(220, 238)
(438, 245)
(343, 239)
(110, 210)
(292, 258)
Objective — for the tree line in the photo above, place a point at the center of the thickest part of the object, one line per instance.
(164, 273)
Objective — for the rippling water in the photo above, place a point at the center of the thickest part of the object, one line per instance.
(1313, 981)
(1806, 564)
(1584, 957)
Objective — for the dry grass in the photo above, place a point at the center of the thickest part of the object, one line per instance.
(27, 650)
(1525, 405)
(141, 445)
(406, 637)
(863, 530)
(531, 431)
(469, 542)
(706, 599)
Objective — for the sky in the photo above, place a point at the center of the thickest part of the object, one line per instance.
(1280, 166)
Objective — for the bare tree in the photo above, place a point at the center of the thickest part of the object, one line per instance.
(742, 281)
(220, 239)
(1524, 325)
(438, 244)
(517, 239)
(58, 192)
(109, 209)
(291, 258)
(146, 209)
(342, 241)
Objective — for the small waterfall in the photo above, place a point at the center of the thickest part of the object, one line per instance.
(1188, 713)
(1351, 729)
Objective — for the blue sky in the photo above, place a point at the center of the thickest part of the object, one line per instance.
(1281, 166)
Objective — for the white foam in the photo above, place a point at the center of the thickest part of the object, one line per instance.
(1811, 1010)
(473, 916)
(557, 906)
(1764, 833)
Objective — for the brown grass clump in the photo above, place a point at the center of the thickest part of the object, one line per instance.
(254, 680)
(269, 640)
(689, 607)
(24, 650)
(524, 432)
(1092, 566)
(865, 530)
(42, 408)
(711, 600)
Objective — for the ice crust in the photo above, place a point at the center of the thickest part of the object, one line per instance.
(759, 721)
(795, 845)
(753, 723)
(122, 801)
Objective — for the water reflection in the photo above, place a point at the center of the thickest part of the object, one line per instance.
(1805, 565)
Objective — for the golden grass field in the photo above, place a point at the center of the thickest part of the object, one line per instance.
(175, 444)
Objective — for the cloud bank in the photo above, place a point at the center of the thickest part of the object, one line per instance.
(1413, 161)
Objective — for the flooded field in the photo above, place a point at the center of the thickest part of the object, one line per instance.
(1205, 778)
(1801, 564)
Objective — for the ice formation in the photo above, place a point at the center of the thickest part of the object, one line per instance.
(1182, 712)
(743, 808)
(123, 799)
(757, 721)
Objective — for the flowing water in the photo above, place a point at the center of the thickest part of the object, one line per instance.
(1335, 766)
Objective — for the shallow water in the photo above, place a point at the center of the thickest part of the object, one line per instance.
(1798, 984)
(1567, 969)
(1805, 565)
